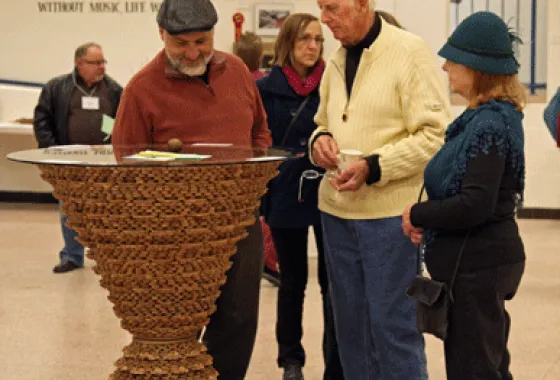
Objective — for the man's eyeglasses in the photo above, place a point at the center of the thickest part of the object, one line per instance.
(97, 63)
(307, 39)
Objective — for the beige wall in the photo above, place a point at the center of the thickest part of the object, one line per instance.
(130, 40)
(37, 46)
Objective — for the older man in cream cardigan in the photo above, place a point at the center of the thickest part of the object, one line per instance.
(381, 95)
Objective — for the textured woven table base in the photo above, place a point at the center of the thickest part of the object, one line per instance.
(162, 240)
(186, 360)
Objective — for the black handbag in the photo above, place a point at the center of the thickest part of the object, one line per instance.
(434, 298)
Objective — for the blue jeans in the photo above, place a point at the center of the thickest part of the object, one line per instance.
(72, 250)
(370, 263)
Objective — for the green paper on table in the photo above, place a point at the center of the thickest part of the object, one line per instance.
(170, 155)
(107, 126)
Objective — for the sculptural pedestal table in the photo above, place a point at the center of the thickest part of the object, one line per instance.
(162, 238)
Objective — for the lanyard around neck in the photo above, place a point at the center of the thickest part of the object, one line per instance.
(80, 88)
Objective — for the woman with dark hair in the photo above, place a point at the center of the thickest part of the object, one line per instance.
(290, 96)
(474, 184)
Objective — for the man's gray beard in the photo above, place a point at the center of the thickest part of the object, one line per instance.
(190, 71)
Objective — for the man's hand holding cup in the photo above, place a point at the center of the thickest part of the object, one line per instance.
(353, 173)
(325, 151)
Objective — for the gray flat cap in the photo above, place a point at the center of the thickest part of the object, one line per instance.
(185, 16)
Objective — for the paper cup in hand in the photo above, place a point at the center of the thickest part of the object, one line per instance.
(348, 156)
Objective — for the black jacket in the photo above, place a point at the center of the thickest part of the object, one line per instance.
(486, 206)
(50, 120)
(280, 205)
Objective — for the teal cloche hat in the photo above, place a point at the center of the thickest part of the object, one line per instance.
(484, 43)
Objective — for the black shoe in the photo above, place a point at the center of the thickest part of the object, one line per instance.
(65, 267)
(292, 372)
(271, 276)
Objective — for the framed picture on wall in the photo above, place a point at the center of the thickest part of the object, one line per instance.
(269, 17)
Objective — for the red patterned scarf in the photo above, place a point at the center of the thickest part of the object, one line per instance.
(304, 87)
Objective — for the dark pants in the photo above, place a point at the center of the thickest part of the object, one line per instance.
(231, 333)
(476, 347)
(291, 248)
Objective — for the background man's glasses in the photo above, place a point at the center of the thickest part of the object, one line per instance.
(97, 63)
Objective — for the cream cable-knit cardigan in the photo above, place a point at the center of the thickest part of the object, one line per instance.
(398, 109)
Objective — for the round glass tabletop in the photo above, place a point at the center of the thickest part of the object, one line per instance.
(149, 155)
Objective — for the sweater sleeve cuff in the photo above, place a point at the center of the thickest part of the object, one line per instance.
(420, 213)
(316, 137)
(374, 169)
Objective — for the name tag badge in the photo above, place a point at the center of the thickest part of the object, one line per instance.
(90, 103)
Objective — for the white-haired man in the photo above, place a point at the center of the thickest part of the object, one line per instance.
(381, 95)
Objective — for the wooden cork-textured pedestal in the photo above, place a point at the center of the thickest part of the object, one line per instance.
(161, 238)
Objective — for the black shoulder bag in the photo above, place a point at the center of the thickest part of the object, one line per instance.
(434, 298)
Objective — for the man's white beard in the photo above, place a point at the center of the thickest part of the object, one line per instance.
(189, 70)
(193, 71)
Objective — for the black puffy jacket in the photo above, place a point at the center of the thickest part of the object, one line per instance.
(50, 119)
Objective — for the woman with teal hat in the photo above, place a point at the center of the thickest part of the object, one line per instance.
(474, 184)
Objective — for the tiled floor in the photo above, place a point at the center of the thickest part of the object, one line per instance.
(62, 326)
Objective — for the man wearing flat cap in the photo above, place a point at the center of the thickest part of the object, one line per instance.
(196, 94)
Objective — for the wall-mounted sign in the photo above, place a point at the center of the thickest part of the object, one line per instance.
(98, 6)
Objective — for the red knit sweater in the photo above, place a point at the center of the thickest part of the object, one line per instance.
(158, 105)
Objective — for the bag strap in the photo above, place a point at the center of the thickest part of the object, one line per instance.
(456, 270)
(294, 119)
(461, 250)
(419, 269)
